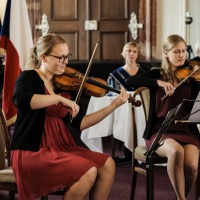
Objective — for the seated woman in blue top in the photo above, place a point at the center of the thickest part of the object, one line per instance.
(131, 67)
(130, 54)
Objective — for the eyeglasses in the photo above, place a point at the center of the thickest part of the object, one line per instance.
(62, 59)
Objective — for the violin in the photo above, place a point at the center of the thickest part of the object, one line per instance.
(188, 71)
(71, 80)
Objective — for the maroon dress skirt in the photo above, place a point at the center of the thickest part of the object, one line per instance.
(181, 132)
(58, 164)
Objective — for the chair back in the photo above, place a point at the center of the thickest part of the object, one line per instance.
(145, 100)
(4, 143)
(143, 94)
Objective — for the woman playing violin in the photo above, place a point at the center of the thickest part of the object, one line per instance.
(181, 140)
(44, 155)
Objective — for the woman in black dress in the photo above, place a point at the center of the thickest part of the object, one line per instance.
(182, 141)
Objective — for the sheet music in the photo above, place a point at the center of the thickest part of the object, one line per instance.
(195, 117)
(191, 111)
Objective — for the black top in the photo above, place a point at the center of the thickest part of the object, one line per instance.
(120, 75)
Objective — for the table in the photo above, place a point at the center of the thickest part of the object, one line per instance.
(119, 124)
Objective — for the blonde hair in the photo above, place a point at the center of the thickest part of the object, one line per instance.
(134, 44)
(44, 45)
(170, 42)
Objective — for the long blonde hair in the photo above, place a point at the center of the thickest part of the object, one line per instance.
(44, 45)
(168, 45)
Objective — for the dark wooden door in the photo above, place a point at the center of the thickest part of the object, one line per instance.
(82, 23)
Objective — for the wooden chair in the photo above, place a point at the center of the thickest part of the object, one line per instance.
(7, 178)
(140, 163)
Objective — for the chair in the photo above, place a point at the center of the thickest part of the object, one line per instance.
(7, 178)
(140, 163)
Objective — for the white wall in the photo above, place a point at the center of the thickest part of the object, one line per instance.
(170, 20)
(193, 6)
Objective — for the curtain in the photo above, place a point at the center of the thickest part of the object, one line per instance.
(35, 15)
(147, 36)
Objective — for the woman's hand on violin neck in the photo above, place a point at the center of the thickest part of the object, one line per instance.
(168, 87)
(121, 98)
(71, 105)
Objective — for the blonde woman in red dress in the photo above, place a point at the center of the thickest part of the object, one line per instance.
(44, 155)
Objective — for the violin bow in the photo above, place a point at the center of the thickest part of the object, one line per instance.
(85, 77)
(86, 73)
(185, 79)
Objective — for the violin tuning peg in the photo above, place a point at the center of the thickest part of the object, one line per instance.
(137, 103)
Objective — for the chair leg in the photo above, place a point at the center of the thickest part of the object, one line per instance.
(44, 197)
(113, 146)
(133, 185)
(11, 195)
(134, 179)
(150, 179)
(197, 184)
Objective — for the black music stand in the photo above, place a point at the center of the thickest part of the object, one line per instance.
(171, 115)
(193, 116)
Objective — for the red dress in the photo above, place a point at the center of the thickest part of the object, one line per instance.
(58, 164)
(183, 133)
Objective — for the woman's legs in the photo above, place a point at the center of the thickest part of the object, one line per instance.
(191, 160)
(82, 187)
(104, 181)
(175, 165)
(98, 181)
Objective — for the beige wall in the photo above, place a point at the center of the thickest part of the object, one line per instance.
(193, 6)
(171, 17)
(170, 20)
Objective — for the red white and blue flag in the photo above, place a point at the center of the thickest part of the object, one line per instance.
(15, 42)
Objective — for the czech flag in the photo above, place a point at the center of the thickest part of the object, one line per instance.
(15, 42)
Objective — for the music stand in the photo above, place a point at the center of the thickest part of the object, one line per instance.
(171, 115)
(192, 116)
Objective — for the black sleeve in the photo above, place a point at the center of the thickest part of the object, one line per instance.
(27, 84)
(75, 122)
(146, 79)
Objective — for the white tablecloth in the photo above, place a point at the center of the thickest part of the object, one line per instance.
(119, 123)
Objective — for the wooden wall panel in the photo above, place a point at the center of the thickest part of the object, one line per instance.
(67, 17)
(64, 9)
(116, 9)
(113, 17)
(72, 41)
(112, 41)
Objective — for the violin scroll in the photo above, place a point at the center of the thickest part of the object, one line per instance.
(134, 101)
